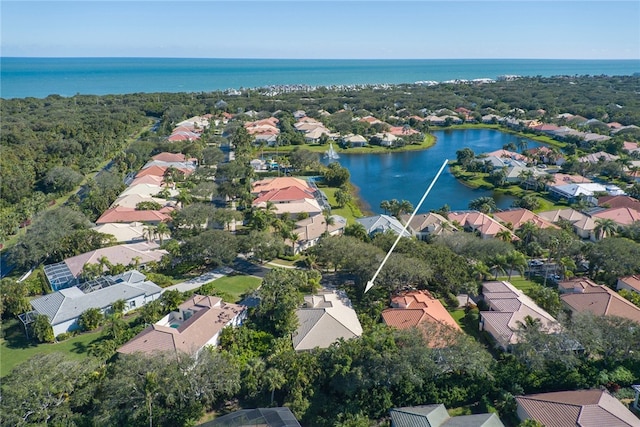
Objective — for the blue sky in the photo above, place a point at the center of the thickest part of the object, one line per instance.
(322, 29)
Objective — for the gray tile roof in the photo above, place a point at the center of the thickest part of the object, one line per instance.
(268, 417)
(68, 304)
(437, 416)
(382, 223)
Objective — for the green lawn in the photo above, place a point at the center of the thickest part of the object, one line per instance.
(15, 348)
(236, 286)
(350, 211)
(519, 282)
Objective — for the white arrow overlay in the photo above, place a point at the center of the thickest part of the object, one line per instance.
(424, 196)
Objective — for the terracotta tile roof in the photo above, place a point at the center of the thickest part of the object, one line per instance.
(122, 214)
(619, 202)
(412, 308)
(401, 131)
(584, 408)
(170, 157)
(507, 154)
(197, 323)
(119, 254)
(621, 216)
(148, 179)
(287, 194)
(477, 221)
(517, 217)
(601, 301)
(370, 119)
(154, 170)
(278, 183)
(563, 179)
(576, 284)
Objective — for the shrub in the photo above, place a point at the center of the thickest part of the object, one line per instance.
(64, 336)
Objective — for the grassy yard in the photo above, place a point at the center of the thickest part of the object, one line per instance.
(519, 282)
(15, 348)
(350, 211)
(236, 286)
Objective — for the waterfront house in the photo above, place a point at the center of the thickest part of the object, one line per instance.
(324, 319)
(196, 323)
(381, 224)
(600, 156)
(584, 408)
(583, 225)
(424, 226)
(519, 216)
(64, 307)
(477, 222)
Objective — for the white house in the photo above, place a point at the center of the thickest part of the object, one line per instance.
(64, 307)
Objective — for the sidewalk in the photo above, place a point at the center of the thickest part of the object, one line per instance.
(196, 282)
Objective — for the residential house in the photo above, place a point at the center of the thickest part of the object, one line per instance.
(584, 408)
(621, 216)
(564, 179)
(598, 157)
(155, 180)
(506, 154)
(370, 119)
(64, 307)
(123, 232)
(402, 131)
(381, 224)
(354, 141)
(148, 190)
(170, 157)
(419, 308)
(619, 202)
(581, 224)
(278, 183)
(262, 417)
(589, 137)
(425, 226)
(283, 195)
(436, 415)
(509, 309)
(196, 323)
(315, 135)
(66, 273)
(631, 147)
(311, 229)
(324, 319)
(132, 201)
(572, 192)
(599, 300)
(477, 222)
(630, 283)
(127, 215)
(386, 139)
(518, 217)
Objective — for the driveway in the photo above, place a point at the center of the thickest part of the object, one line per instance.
(197, 282)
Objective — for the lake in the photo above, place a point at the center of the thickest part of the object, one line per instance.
(406, 175)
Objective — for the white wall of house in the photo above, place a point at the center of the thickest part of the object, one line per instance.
(621, 285)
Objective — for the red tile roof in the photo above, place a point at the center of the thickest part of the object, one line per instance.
(279, 195)
(632, 282)
(209, 315)
(122, 214)
(278, 183)
(621, 216)
(170, 157)
(415, 307)
(517, 217)
(619, 202)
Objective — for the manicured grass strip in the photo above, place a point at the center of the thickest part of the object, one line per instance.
(350, 211)
(236, 286)
(15, 348)
(519, 282)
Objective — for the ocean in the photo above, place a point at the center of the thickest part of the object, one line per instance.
(40, 77)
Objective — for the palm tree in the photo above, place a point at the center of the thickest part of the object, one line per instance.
(516, 260)
(529, 323)
(504, 235)
(527, 232)
(605, 227)
(498, 265)
(525, 175)
(149, 232)
(162, 229)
